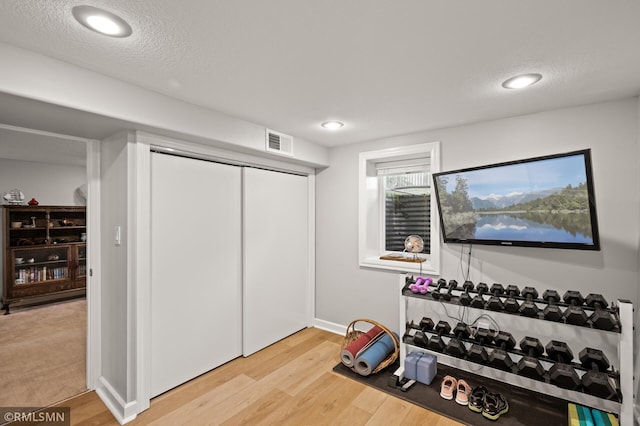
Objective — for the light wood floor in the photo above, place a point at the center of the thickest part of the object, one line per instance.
(288, 383)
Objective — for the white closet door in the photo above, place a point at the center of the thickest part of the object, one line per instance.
(196, 289)
(276, 258)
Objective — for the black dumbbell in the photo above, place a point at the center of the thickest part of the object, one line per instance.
(529, 365)
(574, 314)
(426, 324)
(456, 346)
(441, 284)
(453, 284)
(435, 341)
(420, 339)
(494, 303)
(562, 373)
(529, 307)
(478, 353)
(478, 300)
(511, 304)
(552, 311)
(602, 318)
(465, 297)
(499, 357)
(595, 381)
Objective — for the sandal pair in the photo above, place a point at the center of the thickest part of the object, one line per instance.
(491, 405)
(460, 388)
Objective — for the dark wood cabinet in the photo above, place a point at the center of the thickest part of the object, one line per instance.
(44, 254)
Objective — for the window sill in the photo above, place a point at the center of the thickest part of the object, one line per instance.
(424, 268)
(402, 258)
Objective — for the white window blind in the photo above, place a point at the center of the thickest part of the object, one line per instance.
(407, 202)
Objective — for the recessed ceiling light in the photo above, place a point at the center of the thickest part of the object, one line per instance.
(101, 21)
(332, 125)
(521, 81)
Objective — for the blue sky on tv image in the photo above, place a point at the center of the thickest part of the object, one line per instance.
(503, 181)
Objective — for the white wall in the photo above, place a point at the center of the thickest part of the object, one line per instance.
(345, 292)
(115, 182)
(50, 184)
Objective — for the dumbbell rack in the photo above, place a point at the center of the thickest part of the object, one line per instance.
(624, 376)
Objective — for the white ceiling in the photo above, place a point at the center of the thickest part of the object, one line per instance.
(26, 145)
(384, 67)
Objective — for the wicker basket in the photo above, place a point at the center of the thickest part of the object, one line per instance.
(353, 334)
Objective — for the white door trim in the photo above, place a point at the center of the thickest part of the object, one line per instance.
(311, 193)
(140, 265)
(93, 287)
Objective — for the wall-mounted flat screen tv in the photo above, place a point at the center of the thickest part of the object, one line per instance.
(537, 202)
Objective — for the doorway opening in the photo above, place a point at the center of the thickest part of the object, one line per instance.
(45, 355)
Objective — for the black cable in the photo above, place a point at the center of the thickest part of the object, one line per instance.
(469, 264)
(461, 261)
(465, 275)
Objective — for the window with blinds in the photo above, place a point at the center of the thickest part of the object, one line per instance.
(394, 192)
(407, 202)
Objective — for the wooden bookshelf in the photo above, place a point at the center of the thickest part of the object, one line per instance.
(44, 254)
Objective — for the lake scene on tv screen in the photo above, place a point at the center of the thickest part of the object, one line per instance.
(543, 201)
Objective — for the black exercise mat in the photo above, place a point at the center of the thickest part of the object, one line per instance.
(526, 408)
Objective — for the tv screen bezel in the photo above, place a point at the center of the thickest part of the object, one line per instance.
(586, 153)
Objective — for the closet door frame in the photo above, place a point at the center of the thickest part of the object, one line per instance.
(139, 352)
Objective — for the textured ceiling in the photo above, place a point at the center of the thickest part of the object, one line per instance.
(383, 67)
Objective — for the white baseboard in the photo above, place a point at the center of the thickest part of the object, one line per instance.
(330, 326)
(123, 411)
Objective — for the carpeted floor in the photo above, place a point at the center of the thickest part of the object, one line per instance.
(526, 408)
(43, 354)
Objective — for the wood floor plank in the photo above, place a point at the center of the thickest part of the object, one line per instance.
(297, 374)
(103, 418)
(276, 356)
(352, 416)
(301, 336)
(237, 403)
(258, 412)
(84, 406)
(328, 405)
(289, 383)
(370, 399)
(253, 400)
(178, 397)
(418, 415)
(391, 411)
(301, 402)
(214, 398)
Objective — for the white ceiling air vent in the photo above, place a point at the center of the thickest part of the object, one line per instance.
(279, 143)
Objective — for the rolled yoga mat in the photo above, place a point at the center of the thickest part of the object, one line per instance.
(369, 359)
(350, 353)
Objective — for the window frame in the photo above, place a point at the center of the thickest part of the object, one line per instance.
(371, 210)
